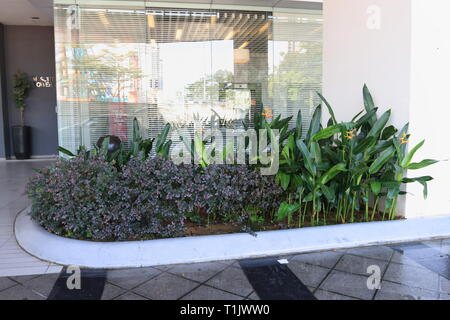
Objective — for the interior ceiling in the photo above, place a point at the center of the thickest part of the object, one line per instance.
(20, 12)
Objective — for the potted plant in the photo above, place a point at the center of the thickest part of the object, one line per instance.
(21, 134)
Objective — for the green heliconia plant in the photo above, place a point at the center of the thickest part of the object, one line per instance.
(347, 167)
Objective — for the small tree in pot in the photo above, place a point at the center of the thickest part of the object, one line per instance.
(21, 133)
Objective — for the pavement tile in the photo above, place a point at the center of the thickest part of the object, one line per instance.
(111, 291)
(199, 271)
(395, 291)
(381, 252)
(130, 296)
(20, 292)
(165, 287)
(130, 278)
(209, 293)
(6, 283)
(412, 276)
(324, 259)
(348, 284)
(326, 295)
(310, 275)
(232, 280)
(359, 265)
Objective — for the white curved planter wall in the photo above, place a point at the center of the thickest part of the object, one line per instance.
(46, 246)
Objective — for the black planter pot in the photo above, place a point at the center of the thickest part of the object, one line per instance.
(21, 136)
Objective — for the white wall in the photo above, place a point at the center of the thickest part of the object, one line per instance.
(430, 102)
(404, 62)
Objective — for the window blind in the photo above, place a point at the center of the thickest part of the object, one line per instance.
(182, 66)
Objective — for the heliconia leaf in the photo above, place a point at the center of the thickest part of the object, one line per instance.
(365, 118)
(299, 125)
(284, 180)
(368, 103)
(332, 172)
(388, 132)
(307, 158)
(364, 144)
(375, 186)
(330, 109)
(422, 180)
(316, 152)
(286, 209)
(314, 126)
(66, 152)
(381, 160)
(327, 132)
(407, 160)
(379, 125)
(328, 192)
(422, 164)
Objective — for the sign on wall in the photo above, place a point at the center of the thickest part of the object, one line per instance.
(43, 81)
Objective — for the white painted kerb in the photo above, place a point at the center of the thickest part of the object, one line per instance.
(44, 245)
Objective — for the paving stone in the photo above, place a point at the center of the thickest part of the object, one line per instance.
(131, 278)
(199, 271)
(232, 280)
(111, 291)
(326, 295)
(381, 253)
(400, 258)
(209, 293)
(42, 284)
(20, 292)
(130, 296)
(348, 284)
(23, 279)
(444, 285)
(412, 276)
(358, 265)
(254, 296)
(6, 283)
(165, 287)
(395, 291)
(324, 259)
(310, 275)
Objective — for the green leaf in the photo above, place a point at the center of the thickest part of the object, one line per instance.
(286, 209)
(327, 132)
(364, 144)
(379, 162)
(388, 132)
(330, 109)
(407, 160)
(422, 164)
(66, 152)
(284, 180)
(314, 126)
(162, 138)
(328, 192)
(307, 158)
(316, 152)
(375, 186)
(368, 103)
(366, 118)
(422, 180)
(299, 125)
(379, 125)
(332, 172)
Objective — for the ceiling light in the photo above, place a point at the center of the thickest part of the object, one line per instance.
(102, 17)
(245, 44)
(151, 21)
(229, 35)
(178, 34)
(264, 27)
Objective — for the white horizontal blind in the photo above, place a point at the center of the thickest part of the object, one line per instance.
(180, 66)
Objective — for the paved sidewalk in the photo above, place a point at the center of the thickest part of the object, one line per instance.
(14, 176)
(413, 271)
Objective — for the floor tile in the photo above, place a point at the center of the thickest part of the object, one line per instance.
(348, 284)
(381, 253)
(394, 291)
(326, 295)
(359, 265)
(254, 296)
(6, 283)
(323, 259)
(199, 271)
(310, 275)
(20, 292)
(165, 287)
(209, 293)
(232, 280)
(111, 291)
(129, 296)
(412, 276)
(130, 278)
(42, 284)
